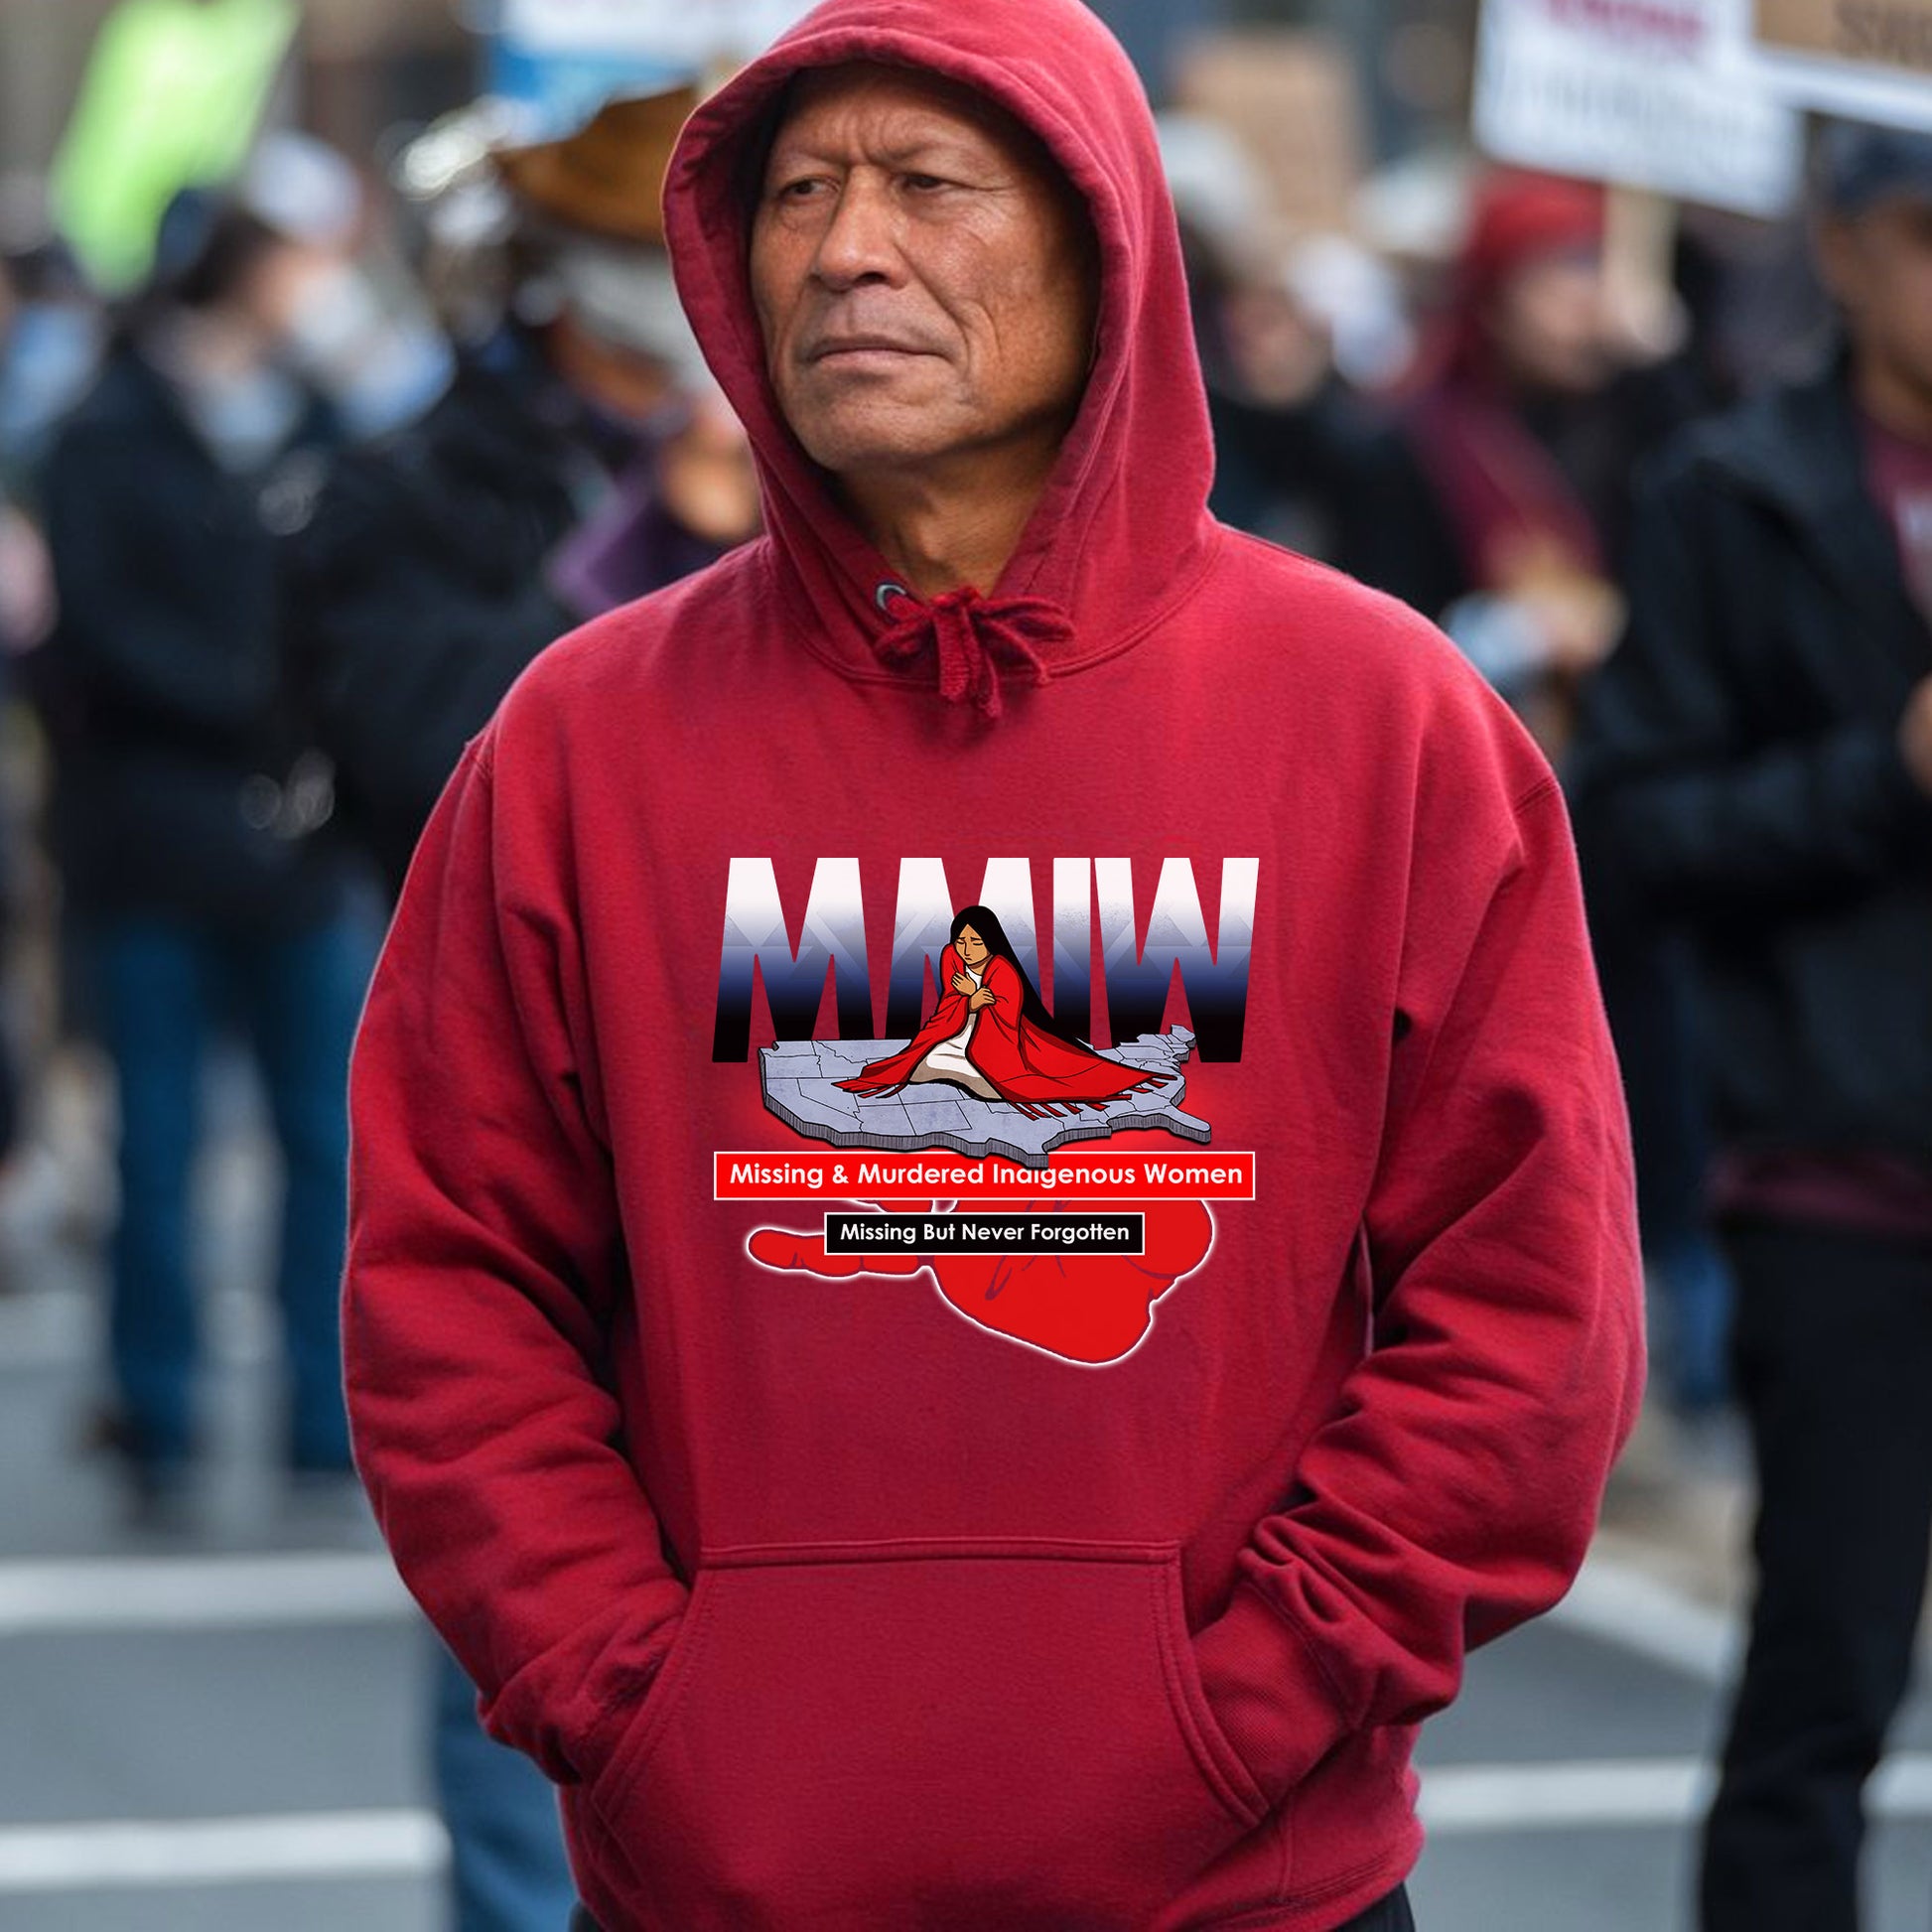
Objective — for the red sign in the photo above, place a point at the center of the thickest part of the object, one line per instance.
(1682, 28)
(847, 1174)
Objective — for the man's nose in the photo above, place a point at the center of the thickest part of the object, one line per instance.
(860, 242)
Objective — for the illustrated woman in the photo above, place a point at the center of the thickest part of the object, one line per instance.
(993, 1037)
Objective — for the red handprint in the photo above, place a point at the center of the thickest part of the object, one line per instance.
(1085, 1308)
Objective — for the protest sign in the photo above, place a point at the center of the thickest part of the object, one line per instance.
(686, 33)
(1659, 94)
(1871, 59)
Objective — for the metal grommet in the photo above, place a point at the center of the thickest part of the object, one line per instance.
(884, 594)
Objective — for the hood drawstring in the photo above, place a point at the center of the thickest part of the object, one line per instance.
(970, 632)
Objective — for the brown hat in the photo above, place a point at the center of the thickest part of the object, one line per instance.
(608, 177)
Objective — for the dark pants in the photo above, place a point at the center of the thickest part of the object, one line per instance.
(1833, 1356)
(1391, 1915)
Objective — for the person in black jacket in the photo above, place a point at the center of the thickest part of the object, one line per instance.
(190, 817)
(576, 461)
(1757, 760)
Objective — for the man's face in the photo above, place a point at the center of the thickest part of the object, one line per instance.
(1879, 267)
(925, 277)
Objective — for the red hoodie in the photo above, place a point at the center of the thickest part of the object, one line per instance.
(1076, 1536)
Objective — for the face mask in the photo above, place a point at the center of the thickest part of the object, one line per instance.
(378, 367)
(336, 313)
(243, 419)
(625, 297)
(47, 360)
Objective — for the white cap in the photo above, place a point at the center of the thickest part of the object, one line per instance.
(625, 296)
(302, 189)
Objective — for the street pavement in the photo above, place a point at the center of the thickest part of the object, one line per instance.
(232, 1732)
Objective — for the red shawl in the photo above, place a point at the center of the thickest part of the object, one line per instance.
(1032, 1069)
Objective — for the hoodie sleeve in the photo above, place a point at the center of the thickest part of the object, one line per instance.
(486, 1259)
(1453, 1491)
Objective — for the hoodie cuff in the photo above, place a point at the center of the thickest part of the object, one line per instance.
(596, 1740)
(1272, 1699)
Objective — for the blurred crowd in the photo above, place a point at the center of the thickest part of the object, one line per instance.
(283, 520)
(286, 508)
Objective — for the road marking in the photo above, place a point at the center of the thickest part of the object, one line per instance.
(1619, 1604)
(1464, 1800)
(1609, 1601)
(52, 1328)
(301, 1589)
(221, 1850)
(1458, 1801)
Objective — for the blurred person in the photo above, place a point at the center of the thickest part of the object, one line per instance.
(52, 330)
(51, 334)
(579, 459)
(1292, 444)
(1507, 461)
(32, 396)
(1501, 505)
(853, 1589)
(1644, 964)
(189, 815)
(26, 615)
(360, 335)
(1295, 446)
(1759, 754)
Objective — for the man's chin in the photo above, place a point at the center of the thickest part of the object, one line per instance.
(880, 441)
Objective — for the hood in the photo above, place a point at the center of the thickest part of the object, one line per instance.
(1121, 534)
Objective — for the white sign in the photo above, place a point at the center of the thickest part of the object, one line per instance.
(675, 32)
(1662, 94)
(1871, 59)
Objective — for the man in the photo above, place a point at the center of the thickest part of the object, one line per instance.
(845, 1582)
(1757, 754)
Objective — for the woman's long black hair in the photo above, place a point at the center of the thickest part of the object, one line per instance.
(986, 922)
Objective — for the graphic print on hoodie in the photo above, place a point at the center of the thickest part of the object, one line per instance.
(1059, 1252)
(868, 1601)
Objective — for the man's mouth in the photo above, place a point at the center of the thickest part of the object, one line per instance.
(838, 348)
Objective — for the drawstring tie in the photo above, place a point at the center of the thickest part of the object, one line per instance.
(971, 634)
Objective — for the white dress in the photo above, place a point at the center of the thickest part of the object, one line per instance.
(948, 1061)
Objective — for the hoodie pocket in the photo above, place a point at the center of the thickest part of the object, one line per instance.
(952, 1732)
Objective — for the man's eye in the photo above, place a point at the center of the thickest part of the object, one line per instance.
(797, 190)
(926, 184)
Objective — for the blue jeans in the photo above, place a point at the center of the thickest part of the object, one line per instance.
(508, 1871)
(1696, 1281)
(162, 986)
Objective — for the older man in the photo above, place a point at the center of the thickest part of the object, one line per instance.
(910, 1508)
